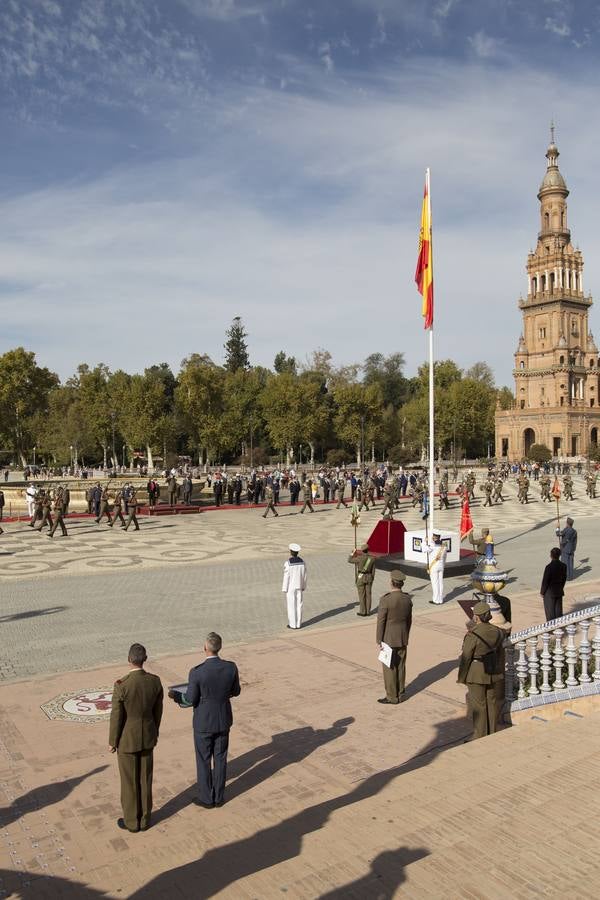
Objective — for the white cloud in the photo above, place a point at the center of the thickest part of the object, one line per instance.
(301, 215)
(560, 28)
(485, 47)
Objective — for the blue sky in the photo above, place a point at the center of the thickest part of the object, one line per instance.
(170, 164)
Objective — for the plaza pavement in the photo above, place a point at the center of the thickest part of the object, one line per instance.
(330, 795)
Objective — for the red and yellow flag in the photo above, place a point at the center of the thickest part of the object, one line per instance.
(466, 522)
(556, 488)
(424, 272)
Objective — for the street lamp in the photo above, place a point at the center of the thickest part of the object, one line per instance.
(71, 449)
(113, 416)
(34, 449)
(123, 455)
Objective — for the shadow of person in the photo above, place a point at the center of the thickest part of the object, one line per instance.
(230, 863)
(33, 884)
(260, 763)
(386, 874)
(430, 676)
(329, 613)
(284, 749)
(33, 613)
(41, 797)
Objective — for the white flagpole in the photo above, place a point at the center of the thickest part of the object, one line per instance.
(431, 373)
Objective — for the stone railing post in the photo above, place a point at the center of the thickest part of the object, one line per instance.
(585, 651)
(522, 668)
(509, 673)
(596, 648)
(533, 665)
(559, 659)
(546, 662)
(571, 655)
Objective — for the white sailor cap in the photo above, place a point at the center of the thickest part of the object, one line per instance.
(295, 548)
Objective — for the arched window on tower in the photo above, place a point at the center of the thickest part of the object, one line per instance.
(543, 283)
(562, 220)
(552, 282)
(547, 221)
(561, 361)
(534, 286)
(521, 365)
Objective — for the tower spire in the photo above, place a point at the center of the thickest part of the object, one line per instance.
(552, 131)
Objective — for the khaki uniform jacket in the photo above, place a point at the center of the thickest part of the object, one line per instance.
(394, 618)
(137, 704)
(470, 666)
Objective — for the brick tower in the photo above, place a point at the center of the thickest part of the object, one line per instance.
(556, 363)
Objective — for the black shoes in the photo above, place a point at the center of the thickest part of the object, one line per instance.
(390, 702)
(204, 805)
(121, 824)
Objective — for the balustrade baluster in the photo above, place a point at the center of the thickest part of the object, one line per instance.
(533, 665)
(571, 655)
(509, 673)
(559, 659)
(585, 651)
(522, 668)
(546, 662)
(596, 647)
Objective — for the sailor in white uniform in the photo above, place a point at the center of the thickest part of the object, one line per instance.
(294, 582)
(30, 495)
(436, 555)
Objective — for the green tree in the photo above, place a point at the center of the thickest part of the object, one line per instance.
(200, 397)
(539, 453)
(387, 372)
(284, 363)
(505, 398)
(236, 348)
(481, 371)
(24, 390)
(294, 411)
(359, 409)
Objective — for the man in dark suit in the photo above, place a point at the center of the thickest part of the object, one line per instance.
(137, 704)
(553, 584)
(210, 688)
(394, 618)
(568, 546)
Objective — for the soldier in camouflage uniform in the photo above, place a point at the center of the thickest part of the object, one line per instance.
(46, 512)
(545, 488)
(487, 487)
(270, 502)
(307, 495)
(523, 483)
(340, 487)
(388, 500)
(60, 505)
(117, 510)
(498, 485)
(103, 507)
(568, 487)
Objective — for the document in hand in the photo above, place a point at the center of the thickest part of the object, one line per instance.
(385, 655)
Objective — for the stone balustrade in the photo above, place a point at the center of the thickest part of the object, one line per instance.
(555, 661)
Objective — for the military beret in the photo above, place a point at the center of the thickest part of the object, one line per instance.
(481, 608)
(397, 575)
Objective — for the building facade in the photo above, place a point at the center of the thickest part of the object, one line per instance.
(556, 363)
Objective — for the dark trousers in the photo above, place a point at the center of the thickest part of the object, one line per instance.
(394, 677)
(568, 559)
(211, 765)
(483, 701)
(132, 520)
(553, 606)
(118, 515)
(135, 770)
(364, 589)
(58, 523)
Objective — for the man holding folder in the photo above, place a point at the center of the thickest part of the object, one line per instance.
(394, 618)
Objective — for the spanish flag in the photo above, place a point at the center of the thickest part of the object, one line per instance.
(424, 272)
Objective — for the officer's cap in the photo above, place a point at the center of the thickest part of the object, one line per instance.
(397, 575)
(481, 608)
(295, 548)
(436, 534)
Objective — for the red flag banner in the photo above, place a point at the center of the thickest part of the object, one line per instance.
(556, 489)
(424, 270)
(466, 522)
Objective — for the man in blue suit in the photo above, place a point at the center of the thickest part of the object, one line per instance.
(568, 546)
(209, 690)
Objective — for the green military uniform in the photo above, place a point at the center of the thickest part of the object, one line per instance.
(394, 619)
(471, 486)
(59, 512)
(307, 496)
(389, 500)
(498, 484)
(568, 487)
(364, 575)
(117, 510)
(545, 488)
(523, 482)
(341, 487)
(46, 514)
(104, 511)
(135, 716)
(132, 505)
(487, 488)
(270, 502)
(484, 689)
(593, 479)
(37, 510)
